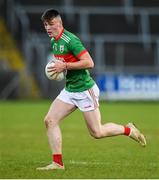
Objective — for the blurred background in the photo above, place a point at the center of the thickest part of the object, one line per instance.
(121, 35)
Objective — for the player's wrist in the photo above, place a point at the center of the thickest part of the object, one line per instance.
(65, 65)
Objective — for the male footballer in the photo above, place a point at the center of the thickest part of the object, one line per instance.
(80, 91)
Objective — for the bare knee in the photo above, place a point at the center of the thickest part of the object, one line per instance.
(49, 121)
(96, 134)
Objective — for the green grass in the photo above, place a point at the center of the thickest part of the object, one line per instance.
(24, 145)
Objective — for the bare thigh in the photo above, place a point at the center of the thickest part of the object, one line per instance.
(93, 120)
(58, 110)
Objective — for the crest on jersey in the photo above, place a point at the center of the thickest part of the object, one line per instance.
(55, 46)
(61, 48)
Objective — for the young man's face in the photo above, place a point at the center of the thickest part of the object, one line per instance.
(53, 27)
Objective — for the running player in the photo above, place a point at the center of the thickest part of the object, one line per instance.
(80, 91)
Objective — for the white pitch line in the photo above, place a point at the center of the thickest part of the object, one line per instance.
(86, 163)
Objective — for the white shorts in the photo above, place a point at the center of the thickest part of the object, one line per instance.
(85, 101)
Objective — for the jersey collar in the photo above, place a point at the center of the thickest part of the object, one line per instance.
(58, 37)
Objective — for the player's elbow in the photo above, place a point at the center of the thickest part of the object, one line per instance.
(91, 64)
(88, 62)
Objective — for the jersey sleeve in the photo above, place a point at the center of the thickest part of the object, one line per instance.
(76, 47)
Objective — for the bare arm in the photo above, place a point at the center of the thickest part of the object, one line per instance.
(85, 62)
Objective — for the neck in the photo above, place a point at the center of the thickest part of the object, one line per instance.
(59, 33)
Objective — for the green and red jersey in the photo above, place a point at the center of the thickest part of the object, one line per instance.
(68, 47)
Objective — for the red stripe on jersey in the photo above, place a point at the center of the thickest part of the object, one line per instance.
(81, 53)
(70, 57)
(67, 57)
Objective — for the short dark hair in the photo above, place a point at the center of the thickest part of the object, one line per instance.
(49, 14)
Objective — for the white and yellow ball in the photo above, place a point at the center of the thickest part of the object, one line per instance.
(52, 75)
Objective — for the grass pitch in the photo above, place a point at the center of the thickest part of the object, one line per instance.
(24, 145)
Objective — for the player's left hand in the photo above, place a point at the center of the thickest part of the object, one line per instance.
(59, 66)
